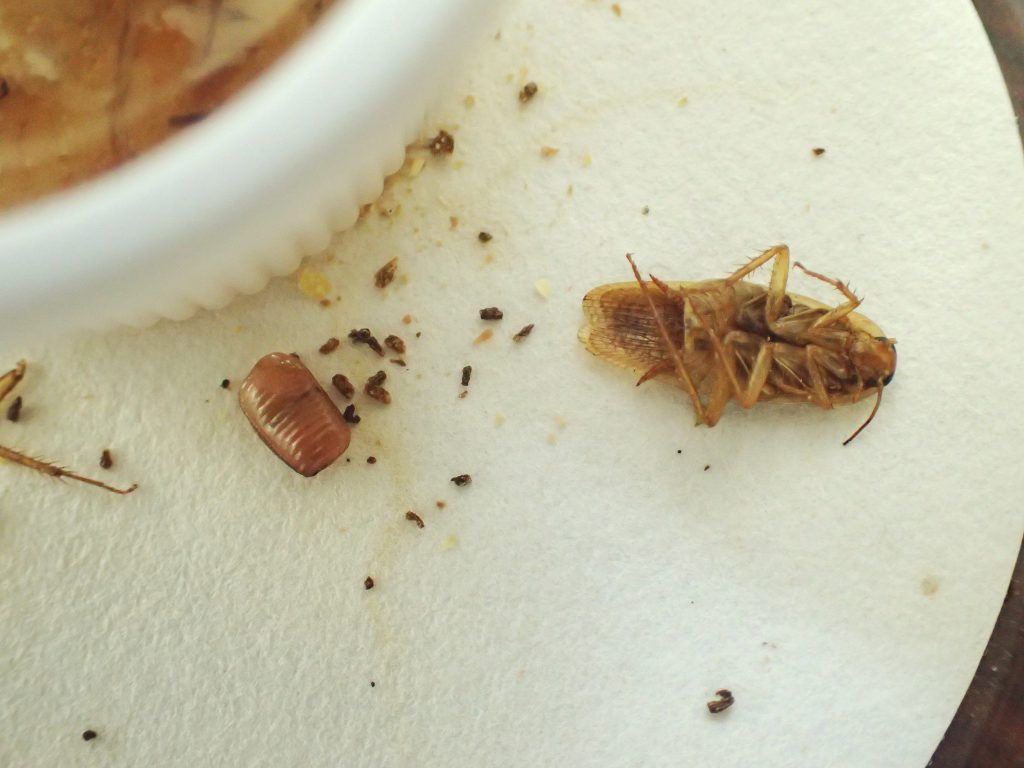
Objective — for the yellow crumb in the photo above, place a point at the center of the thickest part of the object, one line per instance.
(586, 159)
(314, 284)
(484, 336)
(552, 438)
(499, 420)
(450, 543)
(416, 165)
(488, 258)
(616, 9)
(561, 422)
(547, 151)
(469, 101)
(543, 287)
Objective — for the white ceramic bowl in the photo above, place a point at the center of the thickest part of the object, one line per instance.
(247, 193)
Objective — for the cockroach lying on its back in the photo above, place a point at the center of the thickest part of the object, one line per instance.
(729, 339)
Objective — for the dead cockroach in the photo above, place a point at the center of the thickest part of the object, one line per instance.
(8, 382)
(292, 414)
(729, 339)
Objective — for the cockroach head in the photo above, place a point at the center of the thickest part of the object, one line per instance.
(875, 359)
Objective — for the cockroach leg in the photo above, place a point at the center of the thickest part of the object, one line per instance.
(720, 396)
(59, 472)
(758, 375)
(777, 285)
(830, 317)
(819, 393)
(878, 402)
(10, 379)
(684, 375)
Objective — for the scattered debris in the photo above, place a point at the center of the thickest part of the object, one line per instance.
(543, 287)
(707, 467)
(469, 101)
(394, 343)
(491, 313)
(397, 361)
(382, 277)
(363, 336)
(528, 92)
(345, 387)
(14, 409)
(485, 237)
(462, 480)
(349, 415)
(586, 160)
(373, 388)
(818, 151)
(407, 319)
(723, 702)
(225, 384)
(440, 504)
(617, 9)
(314, 284)
(412, 517)
(371, 459)
(368, 584)
(89, 735)
(547, 151)
(442, 144)
(525, 331)
(484, 336)
(645, 210)
(106, 460)
(467, 372)
(330, 345)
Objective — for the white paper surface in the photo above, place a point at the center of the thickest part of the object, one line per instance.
(584, 597)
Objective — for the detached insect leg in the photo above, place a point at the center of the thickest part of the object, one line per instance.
(54, 471)
(684, 375)
(10, 379)
(851, 303)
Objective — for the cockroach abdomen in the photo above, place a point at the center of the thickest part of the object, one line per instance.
(292, 414)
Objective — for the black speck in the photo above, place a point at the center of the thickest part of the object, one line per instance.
(461, 480)
(14, 410)
(467, 373)
(485, 237)
(373, 684)
(368, 584)
(89, 735)
(371, 459)
(226, 384)
(680, 451)
(349, 415)
(707, 467)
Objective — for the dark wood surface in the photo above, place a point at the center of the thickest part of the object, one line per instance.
(988, 730)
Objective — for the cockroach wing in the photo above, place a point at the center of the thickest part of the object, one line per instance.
(621, 328)
(293, 415)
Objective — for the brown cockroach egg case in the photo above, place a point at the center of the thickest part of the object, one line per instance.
(293, 415)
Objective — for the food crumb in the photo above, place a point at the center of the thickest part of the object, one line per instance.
(442, 144)
(723, 702)
(407, 319)
(463, 394)
(382, 277)
(543, 287)
(330, 345)
(491, 313)
(617, 9)
(450, 543)
(345, 387)
(395, 344)
(469, 101)
(462, 480)
(363, 336)
(374, 388)
(89, 735)
(453, 222)
(547, 151)
(313, 284)
(14, 409)
(499, 420)
(707, 467)
(349, 415)
(467, 372)
(106, 460)
(528, 92)
(485, 237)
(485, 336)
(683, 101)
(525, 331)
(440, 504)
(371, 459)
(325, 303)
(818, 151)
(412, 517)
(368, 584)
